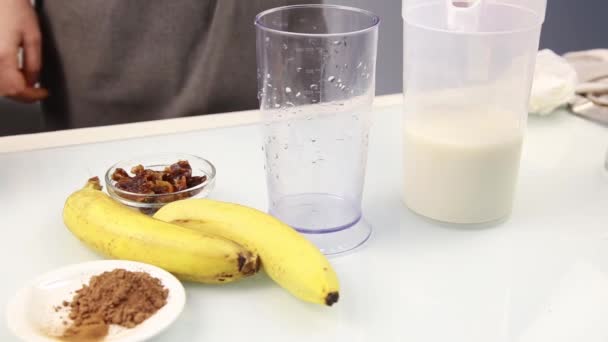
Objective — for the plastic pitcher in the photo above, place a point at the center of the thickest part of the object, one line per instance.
(468, 68)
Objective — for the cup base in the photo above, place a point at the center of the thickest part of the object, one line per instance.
(473, 225)
(342, 241)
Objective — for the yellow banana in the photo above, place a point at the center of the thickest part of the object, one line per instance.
(288, 258)
(120, 232)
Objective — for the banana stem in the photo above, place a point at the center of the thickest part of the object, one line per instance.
(93, 183)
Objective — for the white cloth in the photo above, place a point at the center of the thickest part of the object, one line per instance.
(554, 83)
(591, 101)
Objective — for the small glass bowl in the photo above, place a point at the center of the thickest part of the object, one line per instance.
(150, 203)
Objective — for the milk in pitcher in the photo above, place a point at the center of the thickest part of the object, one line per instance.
(461, 168)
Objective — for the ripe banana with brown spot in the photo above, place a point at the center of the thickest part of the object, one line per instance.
(120, 232)
(287, 257)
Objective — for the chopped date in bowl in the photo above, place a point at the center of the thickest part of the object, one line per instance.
(174, 178)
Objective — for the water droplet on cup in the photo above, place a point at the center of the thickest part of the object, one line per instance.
(298, 94)
(268, 76)
(331, 78)
(336, 42)
(287, 90)
(276, 105)
(284, 46)
(298, 69)
(314, 86)
(359, 65)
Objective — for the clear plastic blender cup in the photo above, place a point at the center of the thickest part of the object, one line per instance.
(468, 68)
(316, 67)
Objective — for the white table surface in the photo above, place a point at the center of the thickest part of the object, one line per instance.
(540, 276)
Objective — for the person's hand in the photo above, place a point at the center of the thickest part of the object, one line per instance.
(19, 29)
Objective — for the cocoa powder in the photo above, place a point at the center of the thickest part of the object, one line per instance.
(117, 297)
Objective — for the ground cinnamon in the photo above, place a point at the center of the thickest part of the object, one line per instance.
(118, 297)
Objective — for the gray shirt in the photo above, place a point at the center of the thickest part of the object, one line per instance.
(118, 61)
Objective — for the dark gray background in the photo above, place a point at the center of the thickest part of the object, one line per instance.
(570, 25)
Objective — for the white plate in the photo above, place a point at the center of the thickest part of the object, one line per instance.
(31, 315)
